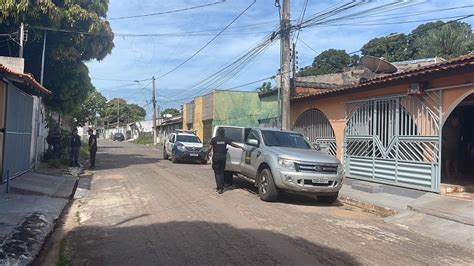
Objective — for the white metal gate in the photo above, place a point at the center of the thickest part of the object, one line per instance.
(395, 140)
(18, 129)
(315, 125)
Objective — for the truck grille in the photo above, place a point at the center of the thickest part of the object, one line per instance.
(316, 168)
(193, 148)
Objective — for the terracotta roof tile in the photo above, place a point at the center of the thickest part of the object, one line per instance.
(27, 78)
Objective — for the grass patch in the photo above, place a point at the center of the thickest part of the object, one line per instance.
(84, 151)
(144, 139)
(62, 258)
(58, 163)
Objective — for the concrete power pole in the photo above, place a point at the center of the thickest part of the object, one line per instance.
(154, 111)
(118, 113)
(22, 37)
(285, 64)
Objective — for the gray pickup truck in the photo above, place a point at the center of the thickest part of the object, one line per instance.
(283, 160)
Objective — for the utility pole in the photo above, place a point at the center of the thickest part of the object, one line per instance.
(154, 111)
(42, 58)
(118, 113)
(285, 64)
(22, 37)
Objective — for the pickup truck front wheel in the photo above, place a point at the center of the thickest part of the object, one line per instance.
(266, 186)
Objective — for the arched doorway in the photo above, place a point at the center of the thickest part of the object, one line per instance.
(458, 144)
(315, 125)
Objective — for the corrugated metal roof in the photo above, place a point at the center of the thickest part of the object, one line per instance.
(27, 79)
(457, 63)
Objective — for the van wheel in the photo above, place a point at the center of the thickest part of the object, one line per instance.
(329, 199)
(266, 186)
(165, 154)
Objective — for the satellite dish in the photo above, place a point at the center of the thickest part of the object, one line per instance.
(378, 65)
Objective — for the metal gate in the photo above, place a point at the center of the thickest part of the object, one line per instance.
(315, 125)
(395, 140)
(18, 128)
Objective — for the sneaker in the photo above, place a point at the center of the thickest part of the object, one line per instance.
(220, 191)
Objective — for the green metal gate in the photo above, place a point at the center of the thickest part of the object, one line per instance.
(395, 140)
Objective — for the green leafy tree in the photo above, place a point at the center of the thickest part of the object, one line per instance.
(327, 62)
(84, 35)
(171, 111)
(265, 87)
(128, 113)
(394, 47)
(94, 104)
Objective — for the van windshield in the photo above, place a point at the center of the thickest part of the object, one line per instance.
(187, 138)
(285, 139)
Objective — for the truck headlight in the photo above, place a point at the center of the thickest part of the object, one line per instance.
(340, 169)
(286, 163)
(180, 147)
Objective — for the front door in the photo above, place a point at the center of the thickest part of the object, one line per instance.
(250, 155)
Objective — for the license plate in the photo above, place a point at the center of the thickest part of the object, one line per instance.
(193, 154)
(320, 181)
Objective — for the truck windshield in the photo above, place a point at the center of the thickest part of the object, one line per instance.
(285, 139)
(186, 138)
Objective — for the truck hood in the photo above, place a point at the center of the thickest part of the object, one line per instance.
(305, 155)
(191, 144)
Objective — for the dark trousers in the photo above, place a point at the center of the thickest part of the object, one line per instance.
(218, 165)
(92, 153)
(74, 157)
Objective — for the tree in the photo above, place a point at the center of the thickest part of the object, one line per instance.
(170, 111)
(94, 105)
(265, 87)
(394, 47)
(327, 62)
(84, 35)
(447, 40)
(428, 40)
(128, 113)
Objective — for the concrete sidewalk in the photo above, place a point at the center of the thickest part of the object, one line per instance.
(29, 212)
(436, 216)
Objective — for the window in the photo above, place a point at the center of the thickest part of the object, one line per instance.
(172, 138)
(188, 138)
(233, 133)
(285, 139)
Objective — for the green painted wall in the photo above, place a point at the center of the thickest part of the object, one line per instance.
(236, 108)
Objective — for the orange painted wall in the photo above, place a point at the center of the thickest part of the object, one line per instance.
(334, 107)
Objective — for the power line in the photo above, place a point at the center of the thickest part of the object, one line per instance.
(168, 12)
(208, 43)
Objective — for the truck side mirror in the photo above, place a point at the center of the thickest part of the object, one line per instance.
(252, 142)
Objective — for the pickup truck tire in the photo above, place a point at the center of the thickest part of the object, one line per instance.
(165, 154)
(329, 199)
(266, 186)
(173, 158)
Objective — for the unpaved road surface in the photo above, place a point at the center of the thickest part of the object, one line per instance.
(144, 210)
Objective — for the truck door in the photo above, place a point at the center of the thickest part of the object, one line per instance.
(171, 141)
(251, 154)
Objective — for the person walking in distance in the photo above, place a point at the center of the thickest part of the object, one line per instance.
(92, 147)
(75, 145)
(219, 144)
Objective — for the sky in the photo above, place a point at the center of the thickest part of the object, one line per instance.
(176, 36)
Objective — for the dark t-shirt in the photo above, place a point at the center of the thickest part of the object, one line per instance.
(75, 141)
(219, 146)
(92, 139)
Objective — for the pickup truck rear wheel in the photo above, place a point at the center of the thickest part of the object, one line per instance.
(266, 186)
(165, 154)
(329, 199)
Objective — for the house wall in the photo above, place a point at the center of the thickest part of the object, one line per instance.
(188, 115)
(3, 90)
(243, 108)
(197, 117)
(334, 107)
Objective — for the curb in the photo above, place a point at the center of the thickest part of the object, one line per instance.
(379, 210)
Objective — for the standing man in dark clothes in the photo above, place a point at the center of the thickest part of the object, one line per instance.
(92, 146)
(219, 145)
(75, 145)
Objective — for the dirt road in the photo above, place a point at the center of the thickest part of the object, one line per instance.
(144, 210)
